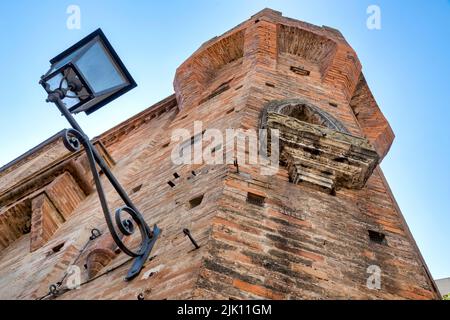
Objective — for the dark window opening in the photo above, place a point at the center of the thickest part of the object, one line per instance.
(306, 115)
(58, 248)
(334, 105)
(195, 202)
(300, 71)
(230, 111)
(176, 175)
(270, 85)
(171, 184)
(255, 199)
(193, 173)
(136, 189)
(165, 145)
(377, 237)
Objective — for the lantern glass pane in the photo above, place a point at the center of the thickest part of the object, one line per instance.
(94, 69)
(66, 59)
(99, 70)
(55, 83)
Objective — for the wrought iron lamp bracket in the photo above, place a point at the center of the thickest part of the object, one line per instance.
(74, 139)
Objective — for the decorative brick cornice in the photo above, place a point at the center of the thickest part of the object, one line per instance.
(259, 41)
(42, 166)
(371, 119)
(114, 134)
(33, 184)
(39, 198)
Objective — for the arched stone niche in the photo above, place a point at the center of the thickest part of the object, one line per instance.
(316, 148)
(303, 110)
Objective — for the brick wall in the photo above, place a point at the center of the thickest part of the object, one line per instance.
(299, 243)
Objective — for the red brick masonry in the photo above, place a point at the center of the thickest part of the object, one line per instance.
(299, 243)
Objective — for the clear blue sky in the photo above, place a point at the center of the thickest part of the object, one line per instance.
(406, 65)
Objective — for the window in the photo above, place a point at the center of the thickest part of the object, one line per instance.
(255, 199)
(377, 237)
(195, 202)
(136, 189)
(171, 184)
(300, 71)
(58, 248)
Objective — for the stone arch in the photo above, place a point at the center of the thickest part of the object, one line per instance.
(316, 149)
(302, 110)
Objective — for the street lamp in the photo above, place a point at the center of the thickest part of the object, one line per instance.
(84, 78)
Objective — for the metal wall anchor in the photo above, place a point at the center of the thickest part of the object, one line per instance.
(236, 164)
(188, 233)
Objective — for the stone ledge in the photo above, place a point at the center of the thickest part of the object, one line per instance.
(322, 157)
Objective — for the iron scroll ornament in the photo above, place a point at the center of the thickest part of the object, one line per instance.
(74, 139)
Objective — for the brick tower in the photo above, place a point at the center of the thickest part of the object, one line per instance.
(324, 226)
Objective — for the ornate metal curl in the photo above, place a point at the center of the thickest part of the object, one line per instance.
(95, 233)
(73, 140)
